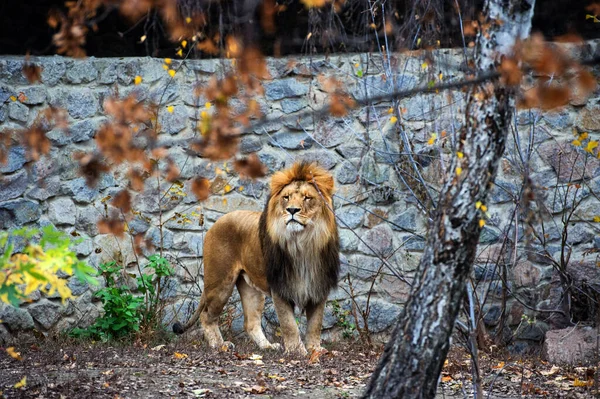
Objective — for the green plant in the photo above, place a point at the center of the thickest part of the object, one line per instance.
(37, 267)
(343, 320)
(126, 311)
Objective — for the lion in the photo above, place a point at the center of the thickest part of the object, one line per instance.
(289, 251)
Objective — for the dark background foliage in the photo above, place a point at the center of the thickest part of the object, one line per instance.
(23, 26)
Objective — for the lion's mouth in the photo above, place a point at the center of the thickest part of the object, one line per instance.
(294, 221)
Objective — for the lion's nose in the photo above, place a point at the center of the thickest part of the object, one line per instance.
(292, 211)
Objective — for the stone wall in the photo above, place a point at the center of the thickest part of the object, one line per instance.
(379, 201)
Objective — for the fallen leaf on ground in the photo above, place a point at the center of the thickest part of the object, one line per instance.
(178, 355)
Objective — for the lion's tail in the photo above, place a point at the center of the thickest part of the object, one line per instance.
(178, 328)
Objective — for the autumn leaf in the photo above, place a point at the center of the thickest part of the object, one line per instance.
(122, 200)
(255, 389)
(432, 139)
(14, 354)
(171, 73)
(178, 355)
(481, 223)
(33, 73)
(201, 188)
(590, 146)
(596, 219)
(137, 80)
(250, 167)
(111, 225)
(458, 171)
(583, 383)
(21, 383)
(446, 378)
(393, 120)
(170, 109)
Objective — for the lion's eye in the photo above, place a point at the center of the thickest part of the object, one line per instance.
(307, 198)
(286, 197)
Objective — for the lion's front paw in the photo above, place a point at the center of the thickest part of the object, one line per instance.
(274, 346)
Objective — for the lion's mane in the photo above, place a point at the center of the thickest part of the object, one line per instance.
(302, 274)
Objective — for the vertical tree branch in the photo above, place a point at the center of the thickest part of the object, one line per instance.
(413, 358)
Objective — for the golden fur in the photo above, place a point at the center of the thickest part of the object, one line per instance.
(289, 251)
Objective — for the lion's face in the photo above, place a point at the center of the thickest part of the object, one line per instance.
(298, 205)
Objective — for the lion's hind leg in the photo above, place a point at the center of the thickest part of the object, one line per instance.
(253, 303)
(215, 299)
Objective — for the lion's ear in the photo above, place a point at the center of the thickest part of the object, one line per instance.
(278, 181)
(325, 184)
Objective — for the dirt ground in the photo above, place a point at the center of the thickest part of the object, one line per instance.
(183, 368)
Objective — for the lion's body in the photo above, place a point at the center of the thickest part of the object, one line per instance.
(289, 251)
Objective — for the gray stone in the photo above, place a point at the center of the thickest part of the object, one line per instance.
(377, 241)
(45, 312)
(372, 172)
(272, 162)
(413, 243)
(291, 141)
(5, 93)
(175, 122)
(53, 69)
(80, 191)
(62, 211)
(304, 123)
(83, 245)
(422, 108)
(16, 319)
(250, 144)
(58, 137)
(351, 150)
(138, 225)
(361, 266)
(128, 70)
(388, 152)
(82, 103)
(153, 235)
(169, 288)
(108, 73)
(82, 71)
(528, 116)
(491, 315)
(195, 243)
(77, 286)
(405, 220)
(165, 93)
(574, 346)
(350, 217)
(285, 88)
(375, 85)
(589, 118)
(347, 173)
(331, 133)
(532, 331)
(151, 70)
(35, 95)
(489, 235)
(11, 71)
(558, 120)
(323, 158)
(251, 188)
(13, 186)
(564, 197)
(272, 125)
(487, 272)
(18, 212)
(84, 130)
(382, 315)
(348, 240)
(45, 188)
(503, 192)
(292, 105)
(569, 162)
(18, 111)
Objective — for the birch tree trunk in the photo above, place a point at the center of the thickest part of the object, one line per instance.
(413, 358)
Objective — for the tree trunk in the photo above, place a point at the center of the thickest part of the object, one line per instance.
(412, 361)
